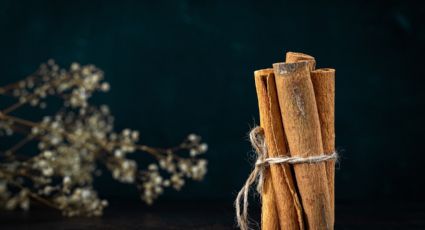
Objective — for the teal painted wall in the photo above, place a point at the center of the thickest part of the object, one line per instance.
(177, 67)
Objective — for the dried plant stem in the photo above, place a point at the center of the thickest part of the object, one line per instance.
(156, 152)
(20, 144)
(74, 140)
(13, 107)
(17, 105)
(17, 120)
(37, 197)
(31, 194)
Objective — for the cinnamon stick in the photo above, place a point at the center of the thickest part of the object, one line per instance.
(302, 128)
(269, 213)
(288, 204)
(324, 89)
(292, 57)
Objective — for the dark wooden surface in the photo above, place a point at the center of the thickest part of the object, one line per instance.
(207, 215)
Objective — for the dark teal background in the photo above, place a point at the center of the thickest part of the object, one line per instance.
(177, 67)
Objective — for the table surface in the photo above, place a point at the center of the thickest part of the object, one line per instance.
(206, 215)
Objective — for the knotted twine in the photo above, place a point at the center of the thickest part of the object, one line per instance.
(256, 137)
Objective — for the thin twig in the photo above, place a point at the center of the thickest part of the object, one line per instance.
(36, 197)
(17, 120)
(20, 144)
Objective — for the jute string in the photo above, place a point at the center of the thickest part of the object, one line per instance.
(256, 137)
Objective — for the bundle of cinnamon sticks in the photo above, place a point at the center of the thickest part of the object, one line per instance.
(296, 104)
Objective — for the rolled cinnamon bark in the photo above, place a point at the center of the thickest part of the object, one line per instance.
(324, 89)
(288, 204)
(292, 57)
(302, 128)
(269, 213)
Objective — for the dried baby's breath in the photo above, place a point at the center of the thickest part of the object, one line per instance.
(73, 143)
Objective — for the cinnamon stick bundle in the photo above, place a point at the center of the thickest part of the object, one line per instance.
(288, 206)
(296, 162)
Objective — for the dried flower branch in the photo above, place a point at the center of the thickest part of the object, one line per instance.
(74, 140)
